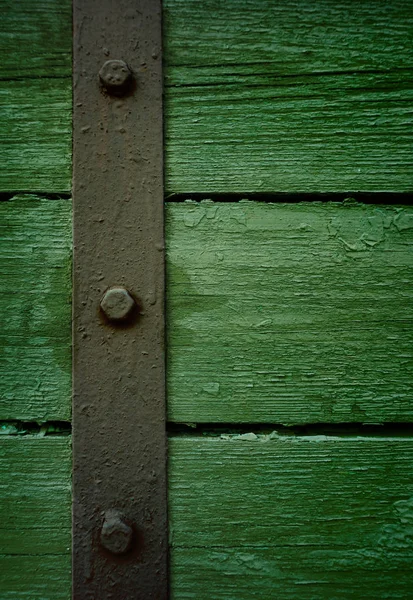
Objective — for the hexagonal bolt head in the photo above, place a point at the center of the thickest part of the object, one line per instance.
(116, 535)
(115, 76)
(117, 304)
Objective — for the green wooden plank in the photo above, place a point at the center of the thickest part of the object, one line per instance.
(36, 135)
(284, 37)
(35, 39)
(280, 105)
(292, 517)
(35, 308)
(289, 313)
(288, 96)
(36, 95)
(293, 573)
(35, 501)
(35, 577)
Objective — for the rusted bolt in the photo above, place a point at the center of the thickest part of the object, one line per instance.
(116, 535)
(117, 304)
(115, 76)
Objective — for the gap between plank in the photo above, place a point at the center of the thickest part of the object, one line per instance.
(311, 429)
(7, 196)
(22, 428)
(343, 197)
(64, 428)
(34, 77)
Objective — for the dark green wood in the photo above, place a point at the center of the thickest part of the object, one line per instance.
(288, 96)
(35, 308)
(35, 95)
(272, 516)
(36, 577)
(284, 37)
(289, 313)
(35, 500)
(35, 39)
(260, 97)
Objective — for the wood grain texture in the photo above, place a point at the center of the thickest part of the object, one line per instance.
(276, 97)
(35, 308)
(289, 313)
(36, 95)
(35, 39)
(290, 517)
(35, 500)
(36, 135)
(288, 96)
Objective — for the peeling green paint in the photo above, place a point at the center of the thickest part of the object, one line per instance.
(289, 313)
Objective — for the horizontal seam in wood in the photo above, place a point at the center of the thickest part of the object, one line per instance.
(341, 197)
(35, 77)
(13, 428)
(7, 196)
(346, 430)
(9, 554)
(245, 64)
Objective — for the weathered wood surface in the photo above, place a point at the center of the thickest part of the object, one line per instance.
(288, 96)
(291, 517)
(35, 308)
(35, 95)
(35, 295)
(289, 313)
(36, 135)
(35, 39)
(260, 97)
(35, 500)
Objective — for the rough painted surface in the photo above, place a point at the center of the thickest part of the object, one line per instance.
(35, 499)
(35, 308)
(291, 517)
(288, 96)
(35, 95)
(289, 313)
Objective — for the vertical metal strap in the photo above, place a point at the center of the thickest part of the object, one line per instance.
(119, 439)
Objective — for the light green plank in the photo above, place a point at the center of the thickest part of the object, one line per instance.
(35, 500)
(288, 96)
(289, 313)
(36, 95)
(285, 517)
(35, 308)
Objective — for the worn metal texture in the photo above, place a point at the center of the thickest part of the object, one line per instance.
(119, 390)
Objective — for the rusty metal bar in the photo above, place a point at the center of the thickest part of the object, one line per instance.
(119, 437)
